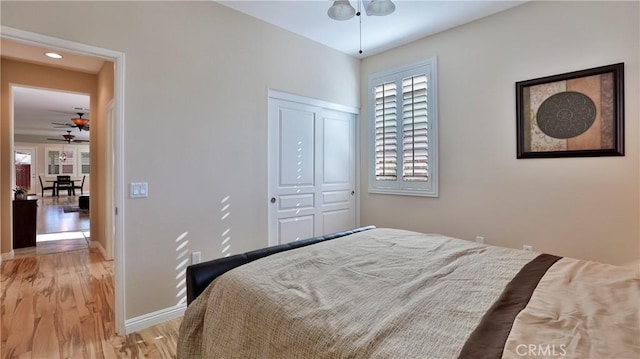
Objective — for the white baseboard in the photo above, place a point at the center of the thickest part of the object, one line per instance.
(7, 256)
(147, 320)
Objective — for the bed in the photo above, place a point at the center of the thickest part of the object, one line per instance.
(389, 293)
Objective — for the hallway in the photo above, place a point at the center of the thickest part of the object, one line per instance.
(61, 214)
(61, 226)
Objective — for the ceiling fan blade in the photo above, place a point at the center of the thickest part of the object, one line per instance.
(56, 139)
(72, 112)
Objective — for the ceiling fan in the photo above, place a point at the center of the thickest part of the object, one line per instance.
(68, 138)
(78, 122)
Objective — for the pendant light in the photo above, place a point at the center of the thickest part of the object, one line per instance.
(63, 155)
(341, 10)
(380, 8)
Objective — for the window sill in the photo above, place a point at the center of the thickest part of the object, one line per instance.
(404, 192)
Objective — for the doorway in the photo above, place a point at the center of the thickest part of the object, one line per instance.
(24, 161)
(117, 180)
(46, 145)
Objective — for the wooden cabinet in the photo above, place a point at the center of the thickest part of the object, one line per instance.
(25, 220)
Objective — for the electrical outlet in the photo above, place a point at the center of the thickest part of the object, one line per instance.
(527, 248)
(196, 257)
(480, 239)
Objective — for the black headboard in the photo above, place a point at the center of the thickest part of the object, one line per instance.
(200, 275)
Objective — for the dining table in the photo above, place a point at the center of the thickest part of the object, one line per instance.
(55, 185)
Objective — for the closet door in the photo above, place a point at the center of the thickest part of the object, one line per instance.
(311, 171)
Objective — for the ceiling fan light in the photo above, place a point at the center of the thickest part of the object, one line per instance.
(380, 7)
(80, 122)
(341, 10)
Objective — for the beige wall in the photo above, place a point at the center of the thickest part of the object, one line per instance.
(579, 207)
(195, 126)
(101, 149)
(26, 74)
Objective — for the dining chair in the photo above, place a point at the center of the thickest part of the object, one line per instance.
(65, 183)
(80, 186)
(52, 188)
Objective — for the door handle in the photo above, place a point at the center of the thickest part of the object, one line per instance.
(273, 200)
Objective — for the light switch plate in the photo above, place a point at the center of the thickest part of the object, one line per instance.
(139, 190)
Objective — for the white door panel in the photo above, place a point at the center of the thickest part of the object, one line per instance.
(311, 171)
(336, 197)
(296, 202)
(336, 221)
(295, 228)
(337, 159)
(296, 147)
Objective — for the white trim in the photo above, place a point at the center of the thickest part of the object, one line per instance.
(311, 101)
(118, 58)
(54, 43)
(109, 185)
(158, 317)
(357, 179)
(398, 186)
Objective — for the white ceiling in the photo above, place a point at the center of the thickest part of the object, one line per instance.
(35, 111)
(412, 20)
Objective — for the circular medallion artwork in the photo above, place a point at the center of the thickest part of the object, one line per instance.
(566, 114)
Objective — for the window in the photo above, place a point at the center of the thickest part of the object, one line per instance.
(56, 166)
(403, 137)
(83, 162)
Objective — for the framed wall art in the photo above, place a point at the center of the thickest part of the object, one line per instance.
(577, 114)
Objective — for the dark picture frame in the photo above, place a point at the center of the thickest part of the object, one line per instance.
(576, 114)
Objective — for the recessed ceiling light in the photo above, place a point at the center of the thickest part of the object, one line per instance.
(53, 55)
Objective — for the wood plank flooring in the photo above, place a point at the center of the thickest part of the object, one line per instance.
(52, 218)
(61, 305)
(48, 247)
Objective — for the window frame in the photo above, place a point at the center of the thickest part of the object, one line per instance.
(72, 160)
(399, 186)
(79, 170)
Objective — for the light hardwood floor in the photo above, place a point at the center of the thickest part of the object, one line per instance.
(52, 217)
(61, 305)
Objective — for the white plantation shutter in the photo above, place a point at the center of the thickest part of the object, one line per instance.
(386, 123)
(415, 143)
(404, 130)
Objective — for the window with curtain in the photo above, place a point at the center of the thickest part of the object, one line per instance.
(404, 130)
